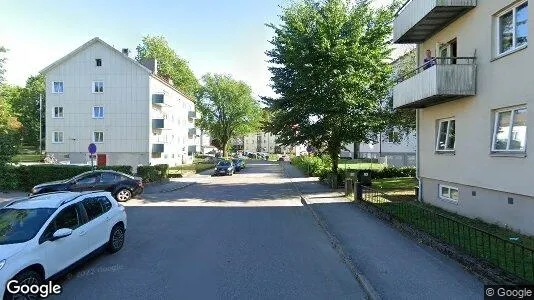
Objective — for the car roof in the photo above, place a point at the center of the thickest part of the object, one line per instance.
(48, 200)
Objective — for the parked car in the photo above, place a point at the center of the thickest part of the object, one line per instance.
(122, 186)
(45, 235)
(224, 167)
(239, 164)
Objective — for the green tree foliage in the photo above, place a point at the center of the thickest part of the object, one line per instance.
(170, 65)
(331, 72)
(2, 62)
(227, 109)
(9, 132)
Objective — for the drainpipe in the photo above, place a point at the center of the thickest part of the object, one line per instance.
(417, 159)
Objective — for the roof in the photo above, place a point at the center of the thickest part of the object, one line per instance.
(48, 200)
(98, 40)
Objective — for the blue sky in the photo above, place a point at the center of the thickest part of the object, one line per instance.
(214, 36)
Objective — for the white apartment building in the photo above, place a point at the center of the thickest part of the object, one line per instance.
(263, 142)
(98, 94)
(472, 106)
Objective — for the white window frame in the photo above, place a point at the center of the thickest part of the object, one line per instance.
(54, 141)
(94, 115)
(512, 9)
(93, 87)
(54, 85)
(447, 136)
(94, 136)
(511, 126)
(58, 115)
(448, 197)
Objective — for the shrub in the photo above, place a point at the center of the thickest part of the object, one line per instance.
(153, 173)
(312, 165)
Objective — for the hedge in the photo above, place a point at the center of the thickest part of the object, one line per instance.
(153, 173)
(26, 177)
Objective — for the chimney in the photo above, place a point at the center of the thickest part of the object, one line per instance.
(151, 64)
(126, 51)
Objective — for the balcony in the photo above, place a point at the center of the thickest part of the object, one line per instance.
(158, 148)
(159, 100)
(420, 19)
(159, 124)
(193, 132)
(449, 79)
(193, 115)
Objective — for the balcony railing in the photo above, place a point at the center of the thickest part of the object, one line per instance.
(441, 80)
(158, 148)
(420, 19)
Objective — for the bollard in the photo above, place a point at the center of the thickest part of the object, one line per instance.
(358, 196)
(348, 186)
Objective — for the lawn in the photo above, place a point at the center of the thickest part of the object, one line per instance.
(499, 246)
(401, 183)
(191, 168)
(353, 165)
(28, 157)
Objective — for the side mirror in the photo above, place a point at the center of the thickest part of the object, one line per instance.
(61, 233)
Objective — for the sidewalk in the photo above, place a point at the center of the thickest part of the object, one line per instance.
(396, 267)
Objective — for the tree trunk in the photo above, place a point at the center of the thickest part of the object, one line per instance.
(225, 151)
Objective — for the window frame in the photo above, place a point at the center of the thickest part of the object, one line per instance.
(448, 121)
(98, 62)
(94, 115)
(82, 203)
(498, 37)
(47, 233)
(93, 87)
(54, 137)
(94, 137)
(58, 116)
(62, 87)
(448, 198)
(496, 113)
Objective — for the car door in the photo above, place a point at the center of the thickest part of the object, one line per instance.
(106, 181)
(65, 251)
(98, 220)
(88, 182)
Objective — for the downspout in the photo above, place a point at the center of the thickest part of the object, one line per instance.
(417, 136)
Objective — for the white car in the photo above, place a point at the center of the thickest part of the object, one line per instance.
(44, 235)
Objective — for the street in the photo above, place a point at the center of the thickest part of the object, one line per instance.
(247, 236)
(244, 236)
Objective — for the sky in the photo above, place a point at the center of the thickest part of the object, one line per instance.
(212, 35)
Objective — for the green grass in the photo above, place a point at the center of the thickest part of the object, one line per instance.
(28, 157)
(192, 168)
(495, 247)
(401, 183)
(350, 165)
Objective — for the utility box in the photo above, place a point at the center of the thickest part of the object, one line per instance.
(364, 177)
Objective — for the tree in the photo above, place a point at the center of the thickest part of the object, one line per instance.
(2, 62)
(227, 109)
(9, 131)
(170, 65)
(331, 72)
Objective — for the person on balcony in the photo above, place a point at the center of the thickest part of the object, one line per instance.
(429, 61)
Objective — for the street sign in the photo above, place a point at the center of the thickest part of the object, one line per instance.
(92, 148)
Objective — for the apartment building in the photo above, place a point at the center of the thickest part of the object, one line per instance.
(263, 142)
(472, 106)
(98, 94)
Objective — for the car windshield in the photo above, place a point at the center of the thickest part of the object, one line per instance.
(224, 164)
(21, 225)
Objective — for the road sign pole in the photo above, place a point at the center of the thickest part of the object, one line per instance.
(92, 151)
(92, 163)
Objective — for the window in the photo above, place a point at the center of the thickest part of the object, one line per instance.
(93, 208)
(58, 112)
(108, 178)
(98, 136)
(106, 204)
(57, 137)
(513, 28)
(98, 62)
(446, 140)
(89, 179)
(98, 86)
(57, 87)
(392, 136)
(448, 193)
(98, 112)
(510, 131)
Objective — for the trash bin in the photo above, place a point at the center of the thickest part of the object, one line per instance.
(364, 177)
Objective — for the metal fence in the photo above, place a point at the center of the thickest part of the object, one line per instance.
(508, 255)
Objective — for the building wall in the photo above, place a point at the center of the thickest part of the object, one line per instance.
(503, 82)
(487, 204)
(407, 145)
(175, 136)
(125, 123)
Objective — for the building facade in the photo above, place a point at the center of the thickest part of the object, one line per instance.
(395, 149)
(97, 94)
(472, 105)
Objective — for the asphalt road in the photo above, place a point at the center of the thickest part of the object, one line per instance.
(245, 236)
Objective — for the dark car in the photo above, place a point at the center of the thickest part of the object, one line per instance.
(224, 167)
(239, 164)
(122, 186)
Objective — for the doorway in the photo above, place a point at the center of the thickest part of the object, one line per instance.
(450, 51)
(101, 159)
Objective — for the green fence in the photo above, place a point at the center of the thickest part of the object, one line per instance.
(505, 254)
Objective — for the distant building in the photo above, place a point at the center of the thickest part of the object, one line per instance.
(98, 94)
(264, 142)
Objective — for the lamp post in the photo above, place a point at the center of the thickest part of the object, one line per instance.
(40, 124)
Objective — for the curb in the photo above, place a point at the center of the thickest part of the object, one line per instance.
(176, 188)
(372, 294)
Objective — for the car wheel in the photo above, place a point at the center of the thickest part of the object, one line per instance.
(116, 239)
(123, 195)
(28, 277)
